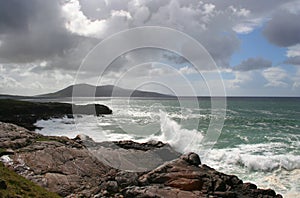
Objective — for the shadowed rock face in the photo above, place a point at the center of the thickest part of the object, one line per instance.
(131, 156)
(25, 113)
(67, 167)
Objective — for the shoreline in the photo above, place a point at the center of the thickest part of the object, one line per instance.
(25, 113)
(66, 166)
(80, 166)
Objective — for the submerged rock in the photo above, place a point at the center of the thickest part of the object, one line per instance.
(72, 168)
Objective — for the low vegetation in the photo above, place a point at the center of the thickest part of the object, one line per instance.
(14, 185)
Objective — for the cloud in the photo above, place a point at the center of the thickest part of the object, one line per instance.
(293, 51)
(33, 30)
(18, 20)
(283, 29)
(188, 70)
(240, 79)
(7, 82)
(253, 64)
(54, 36)
(62, 33)
(204, 21)
(293, 55)
(77, 22)
(276, 77)
(296, 79)
(55, 29)
(293, 60)
(70, 24)
(23, 80)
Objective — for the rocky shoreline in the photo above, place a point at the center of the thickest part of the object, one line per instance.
(70, 168)
(25, 113)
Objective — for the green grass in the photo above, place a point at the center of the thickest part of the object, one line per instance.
(2, 151)
(18, 186)
(44, 139)
(50, 139)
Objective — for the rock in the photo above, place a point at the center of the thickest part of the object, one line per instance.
(201, 180)
(129, 144)
(6, 152)
(91, 109)
(249, 186)
(14, 137)
(78, 168)
(111, 186)
(185, 184)
(132, 156)
(56, 163)
(227, 194)
(84, 140)
(25, 113)
(3, 184)
(192, 158)
(70, 116)
(62, 168)
(159, 191)
(125, 179)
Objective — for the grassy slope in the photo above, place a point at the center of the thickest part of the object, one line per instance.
(18, 186)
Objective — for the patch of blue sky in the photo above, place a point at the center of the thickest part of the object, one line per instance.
(254, 44)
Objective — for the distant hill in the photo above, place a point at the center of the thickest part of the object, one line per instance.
(86, 90)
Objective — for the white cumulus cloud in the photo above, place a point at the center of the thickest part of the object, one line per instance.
(276, 77)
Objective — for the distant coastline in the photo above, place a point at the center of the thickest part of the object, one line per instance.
(110, 91)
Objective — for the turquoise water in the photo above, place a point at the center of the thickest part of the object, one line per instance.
(259, 141)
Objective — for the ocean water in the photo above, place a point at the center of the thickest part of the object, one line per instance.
(259, 141)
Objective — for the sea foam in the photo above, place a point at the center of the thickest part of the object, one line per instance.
(182, 140)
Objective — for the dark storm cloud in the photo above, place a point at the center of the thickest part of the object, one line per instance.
(175, 58)
(33, 30)
(283, 29)
(191, 17)
(136, 57)
(253, 64)
(293, 60)
(14, 15)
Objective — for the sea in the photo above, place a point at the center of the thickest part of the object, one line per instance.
(258, 138)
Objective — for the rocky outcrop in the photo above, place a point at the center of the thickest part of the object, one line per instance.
(75, 167)
(187, 177)
(131, 156)
(57, 163)
(24, 113)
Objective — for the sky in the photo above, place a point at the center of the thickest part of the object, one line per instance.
(255, 46)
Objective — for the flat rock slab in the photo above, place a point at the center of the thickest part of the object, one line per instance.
(132, 156)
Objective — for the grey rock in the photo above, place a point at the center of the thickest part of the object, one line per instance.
(192, 158)
(112, 186)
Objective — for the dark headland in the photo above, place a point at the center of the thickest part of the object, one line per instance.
(66, 166)
(86, 90)
(25, 113)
